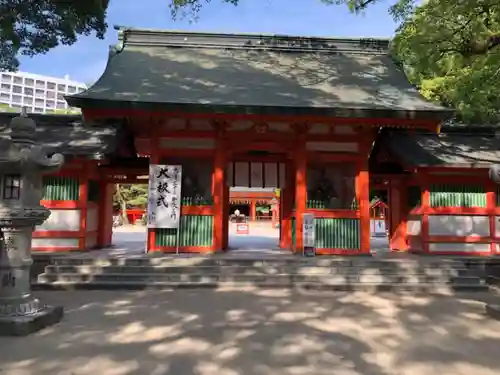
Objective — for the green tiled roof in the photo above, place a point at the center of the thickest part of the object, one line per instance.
(65, 134)
(261, 74)
(446, 149)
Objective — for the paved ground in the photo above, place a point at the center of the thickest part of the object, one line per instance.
(262, 239)
(266, 332)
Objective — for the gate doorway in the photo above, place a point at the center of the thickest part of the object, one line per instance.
(379, 219)
(253, 204)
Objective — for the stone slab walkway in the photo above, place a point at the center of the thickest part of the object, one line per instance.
(259, 332)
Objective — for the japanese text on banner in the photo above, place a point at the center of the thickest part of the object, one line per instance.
(164, 202)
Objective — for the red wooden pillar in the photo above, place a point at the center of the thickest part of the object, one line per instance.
(153, 159)
(363, 195)
(300, 191)
(226, 218)
(275, 215)
(83, 199)
(219, 190)
(425, 205)
(253, 210)
(398, 191)
(491, 203)
(287, 194)
(105, 227)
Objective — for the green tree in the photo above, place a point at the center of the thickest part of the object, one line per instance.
(69, 111)
(451, 49)
(399, 8)
(7, 108)
(31, 27)
(130, 196)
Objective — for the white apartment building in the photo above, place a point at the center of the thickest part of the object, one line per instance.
(37, 93)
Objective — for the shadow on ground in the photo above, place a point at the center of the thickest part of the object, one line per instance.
(250, 331)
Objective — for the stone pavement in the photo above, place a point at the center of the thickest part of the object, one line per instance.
(130, 241)
(261, 332)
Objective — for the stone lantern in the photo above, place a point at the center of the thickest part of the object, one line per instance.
(22, 163)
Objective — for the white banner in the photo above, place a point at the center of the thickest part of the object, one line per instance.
(308, 232)
(164, 199)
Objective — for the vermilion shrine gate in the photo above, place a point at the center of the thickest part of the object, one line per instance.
(319, 118)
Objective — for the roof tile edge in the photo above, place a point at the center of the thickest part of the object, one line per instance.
(177, 38)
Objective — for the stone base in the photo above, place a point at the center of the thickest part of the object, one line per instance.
(28, 324)
(493, 311)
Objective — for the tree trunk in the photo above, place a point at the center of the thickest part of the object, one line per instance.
(122, 203)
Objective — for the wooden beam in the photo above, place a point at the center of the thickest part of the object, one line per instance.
(90, 113)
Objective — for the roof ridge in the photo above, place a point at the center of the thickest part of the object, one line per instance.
(192, 39)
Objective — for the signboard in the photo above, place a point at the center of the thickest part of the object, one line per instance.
(164, 198)
(308, 234)
(242, 228)
(378, 228)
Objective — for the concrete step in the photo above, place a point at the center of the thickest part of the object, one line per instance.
(369, 287)
(493, 311)
(255, 278)
(407, 263)
(493, 280)
(291, 272)
(265, 270)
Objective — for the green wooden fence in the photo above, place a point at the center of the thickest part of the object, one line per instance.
(195, 230)
(322, 205)
(334, 233)
(457, 196)
(60, 188)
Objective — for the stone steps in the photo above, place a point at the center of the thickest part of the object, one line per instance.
(265, 270)
(249, 277)
(419, 274)
(270, 262)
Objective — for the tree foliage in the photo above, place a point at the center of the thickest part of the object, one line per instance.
(400, 9)
(451, 49)
(31, 27)
(8, 108)
(131, 195)
(68, 111)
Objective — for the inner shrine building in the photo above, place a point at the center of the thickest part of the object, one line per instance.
(322, 119)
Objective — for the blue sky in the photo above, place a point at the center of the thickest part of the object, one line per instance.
(85, 60)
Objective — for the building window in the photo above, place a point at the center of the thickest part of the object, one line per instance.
(28, 100)
(6, 78)
(28, 91)
(61, 105)
(18, 80)
(29, 81)
(16, 99)
(51, 85)
(17, 89)
(38, 110)
(12, 186)
(5, 86)
(51, 94)
(61, 88)
(40, 84)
